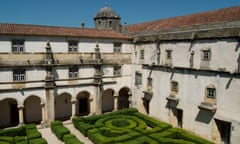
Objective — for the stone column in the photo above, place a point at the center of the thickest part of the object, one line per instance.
(74, 102)
(115, 101)
(130, 99)
(43, 122)
(20, 113)
(50, 108)
(98, 100)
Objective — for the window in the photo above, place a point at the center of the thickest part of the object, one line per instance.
(18, 46)
(117, 47)
(169, 54)
(138, 78)
(211, 93)
(206, 55)
(73, 72)
(72, 46)
(117, 70)
(19, 75)
(141, 54)
(150, 80)
(174, 86)
(149, 84)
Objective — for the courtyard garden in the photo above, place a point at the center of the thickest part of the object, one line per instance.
(128, 126)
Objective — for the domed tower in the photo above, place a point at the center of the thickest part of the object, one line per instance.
(106, 18)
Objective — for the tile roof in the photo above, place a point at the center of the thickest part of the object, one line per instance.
(221, 15)
(36, 30)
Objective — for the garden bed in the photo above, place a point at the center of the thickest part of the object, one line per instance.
(128, 126)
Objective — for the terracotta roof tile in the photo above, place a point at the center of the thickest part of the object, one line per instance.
(222, 15)
(22, 29)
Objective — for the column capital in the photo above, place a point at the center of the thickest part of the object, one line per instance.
(20, 106)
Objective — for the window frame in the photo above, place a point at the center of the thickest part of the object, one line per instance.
(174, 86)
(142, 53)
(117, 70)
(169, 54)
(117, 47)
(72, 46)
(19, 75)
(18, 46)
(211, 92)
(73, 72)
(206, 56)
(138, 78)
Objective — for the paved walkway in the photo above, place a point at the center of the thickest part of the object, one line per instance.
(49, 136)
(52, 139)
(79, 135)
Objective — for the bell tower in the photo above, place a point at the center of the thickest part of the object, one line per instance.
(107, 19)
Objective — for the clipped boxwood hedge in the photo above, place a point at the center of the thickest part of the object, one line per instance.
(63, 133)
(23, 135)
(71, 139)
(37, 141)
(131, 127)
(8, 139)
(13, 132)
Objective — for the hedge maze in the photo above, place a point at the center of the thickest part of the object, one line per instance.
(131, 127)
(23, 135)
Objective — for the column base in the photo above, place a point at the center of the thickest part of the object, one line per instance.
(21, 124)
(44, 124)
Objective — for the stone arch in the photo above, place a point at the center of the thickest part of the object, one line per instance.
(83, 103)
(63, 106)
(123, 98)
(32, 109)
(108, 100)
(9, 112)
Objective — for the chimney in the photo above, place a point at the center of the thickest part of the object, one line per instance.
(83, 25)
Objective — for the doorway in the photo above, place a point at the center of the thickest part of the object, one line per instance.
(83, 106)
(224, 129)
(179, 117)
(14, 117)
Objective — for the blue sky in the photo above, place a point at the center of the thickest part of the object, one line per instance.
(71, 13)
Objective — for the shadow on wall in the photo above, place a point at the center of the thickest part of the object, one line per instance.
(204, 116)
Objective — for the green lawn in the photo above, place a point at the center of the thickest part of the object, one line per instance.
(131, 127)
